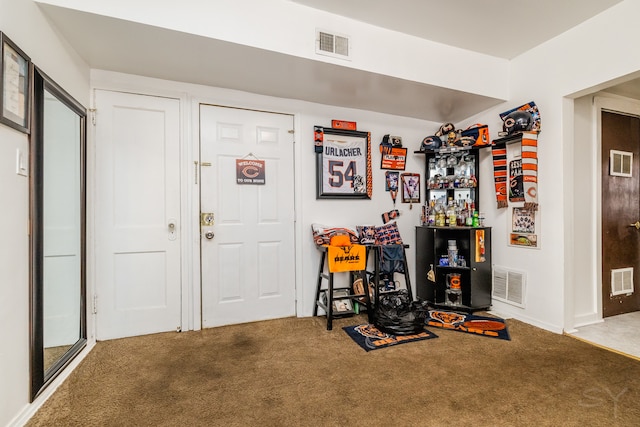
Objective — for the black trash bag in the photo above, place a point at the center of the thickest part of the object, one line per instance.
(396, 314)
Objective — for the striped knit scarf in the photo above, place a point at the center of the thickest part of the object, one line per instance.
(530, 169)
(499, 152)
(529, 145)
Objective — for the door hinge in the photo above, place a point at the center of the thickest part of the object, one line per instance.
(291, 131)
(95, 304)
(92, 112)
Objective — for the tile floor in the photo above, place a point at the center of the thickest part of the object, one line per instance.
(619, 333)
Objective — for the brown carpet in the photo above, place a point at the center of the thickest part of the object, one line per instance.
(293, 372)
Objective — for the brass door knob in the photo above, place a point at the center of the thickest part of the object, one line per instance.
(636, 225)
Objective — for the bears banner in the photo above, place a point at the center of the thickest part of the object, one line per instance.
(347, 258)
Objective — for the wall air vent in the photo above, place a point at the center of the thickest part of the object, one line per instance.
(508, 286)
(331, 44)
(622, 281)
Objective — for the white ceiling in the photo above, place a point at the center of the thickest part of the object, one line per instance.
(492, 27)
(99, 40)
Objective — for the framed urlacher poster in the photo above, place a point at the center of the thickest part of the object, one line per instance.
(343, 166)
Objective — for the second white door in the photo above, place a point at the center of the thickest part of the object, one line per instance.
(247, 253)
(137, 219)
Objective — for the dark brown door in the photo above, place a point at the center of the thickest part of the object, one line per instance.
(620, 208)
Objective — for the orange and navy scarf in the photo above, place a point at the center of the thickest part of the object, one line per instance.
(529, 153)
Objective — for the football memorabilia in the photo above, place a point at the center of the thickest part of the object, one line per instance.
(322, 234)
(410, 188)
(530, 169)
(445, 129)
(388, 216)
(431, 142)
(499, 152)
(516, 191)
(390, 141)
(392, 179)
(393, 158)
(347, 258)
(388, 234)
(343, 124)
(318, 135)
(476, 135)
(519, 122)
(523, 228)
(344, 165)
(250, 171)
(523, 147)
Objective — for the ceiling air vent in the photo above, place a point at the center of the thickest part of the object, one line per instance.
(331, 44)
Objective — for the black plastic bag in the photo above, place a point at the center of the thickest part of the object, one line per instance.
(396, 314)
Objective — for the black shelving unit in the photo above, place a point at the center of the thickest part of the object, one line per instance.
(475, 277)
(438, 168)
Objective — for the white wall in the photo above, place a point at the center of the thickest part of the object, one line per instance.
(24, 24)
(561, 284)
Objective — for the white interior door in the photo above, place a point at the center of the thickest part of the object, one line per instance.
(137, 219)
(248, 272)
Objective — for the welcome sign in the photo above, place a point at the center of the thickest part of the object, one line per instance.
(250, 172)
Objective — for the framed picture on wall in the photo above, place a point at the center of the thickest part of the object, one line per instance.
(15, 73)
(523, 228)
(410, 187)
(343, 165)
(394, 158)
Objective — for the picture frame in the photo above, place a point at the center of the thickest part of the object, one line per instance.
(15, 85)
(523, 228)
(410, 187)
(343, 164)
(341, 305)
(393, 158)
(392, 180)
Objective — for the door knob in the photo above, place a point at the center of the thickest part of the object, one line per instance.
(636, 225)
(209, 235)
(172, 229)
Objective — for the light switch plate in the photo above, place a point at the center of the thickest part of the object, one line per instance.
(21, 163)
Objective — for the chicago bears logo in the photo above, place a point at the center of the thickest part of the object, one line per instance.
(371, 331)
(447, 318)
(250, 171)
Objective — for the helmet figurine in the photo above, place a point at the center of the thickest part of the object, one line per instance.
(517, 121)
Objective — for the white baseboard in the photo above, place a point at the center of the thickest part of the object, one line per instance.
(29, 411)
